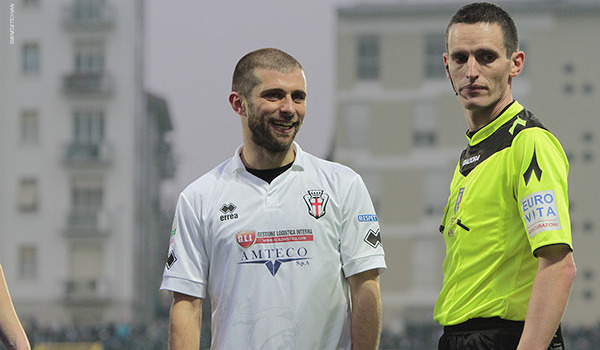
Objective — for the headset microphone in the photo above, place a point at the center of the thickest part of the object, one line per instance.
(451, 82)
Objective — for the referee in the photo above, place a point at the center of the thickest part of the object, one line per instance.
(509, 268)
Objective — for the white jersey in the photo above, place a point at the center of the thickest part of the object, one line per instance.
(274, 258)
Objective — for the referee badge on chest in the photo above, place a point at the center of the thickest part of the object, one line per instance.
(459, 199)
(316, 200)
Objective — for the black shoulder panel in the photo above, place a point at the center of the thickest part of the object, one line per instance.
(499, 140)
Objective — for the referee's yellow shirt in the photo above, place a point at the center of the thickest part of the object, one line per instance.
(508, 197)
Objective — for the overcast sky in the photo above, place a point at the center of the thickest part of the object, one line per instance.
(192, 47)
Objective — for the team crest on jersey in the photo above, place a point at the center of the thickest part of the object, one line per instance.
(316, 200)
(245, 239)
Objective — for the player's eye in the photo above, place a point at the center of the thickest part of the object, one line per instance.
(459, 58)
(299, 97)
(272, 96)
(488, 58)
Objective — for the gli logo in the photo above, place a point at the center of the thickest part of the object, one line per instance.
(245, 238)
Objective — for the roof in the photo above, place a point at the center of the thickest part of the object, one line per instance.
(448, 7)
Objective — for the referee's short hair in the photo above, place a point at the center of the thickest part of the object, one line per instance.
(244, 79)
(488, 13)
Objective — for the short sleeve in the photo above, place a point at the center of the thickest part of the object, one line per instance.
(186, 269)
(361, 247)
(542, 188)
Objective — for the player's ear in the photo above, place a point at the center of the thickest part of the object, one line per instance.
(518, 61)
(446, 60)
(238, 103)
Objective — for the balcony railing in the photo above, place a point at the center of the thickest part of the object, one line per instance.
(79, 83)
(89, 14)
(86, 290)
(87, 223)
(87, 153)
(166, 160)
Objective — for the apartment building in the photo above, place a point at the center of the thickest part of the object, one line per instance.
(84, 151)
(399, 125)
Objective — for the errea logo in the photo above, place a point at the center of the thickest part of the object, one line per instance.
(229, 212)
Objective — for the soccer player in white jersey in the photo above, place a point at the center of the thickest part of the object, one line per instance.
(286, 245)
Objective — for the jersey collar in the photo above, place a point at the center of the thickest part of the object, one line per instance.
(238, 166)
(489, 129)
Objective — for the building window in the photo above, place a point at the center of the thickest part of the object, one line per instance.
(28, 264)
(28, 3)
(30, 132)
(89, 9)
(433, 192)
(31, 58)
(357, 126)
(435, 46)
(368, 57)
(88, 126)
(569, 68)
(425, 123)
(572, 205)
(588, 227)
(89, 58)
(426, 138)
(86, 197)
(28, 195)
(568, 89)
(570, 156)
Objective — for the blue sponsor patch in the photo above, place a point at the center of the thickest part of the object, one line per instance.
(367, 217)
(540, 211)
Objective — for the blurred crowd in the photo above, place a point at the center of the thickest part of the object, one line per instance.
(153, 336)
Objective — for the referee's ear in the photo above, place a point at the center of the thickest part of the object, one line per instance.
(238, 103)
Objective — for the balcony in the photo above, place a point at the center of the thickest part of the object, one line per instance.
(87, 291)
(89, 15)
(166, 160)
(87, 223)
(78, 153)
(88, 83)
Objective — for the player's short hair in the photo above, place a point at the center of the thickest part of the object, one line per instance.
(489, 13)
(244, 79)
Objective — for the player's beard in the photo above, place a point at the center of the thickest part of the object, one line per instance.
(262, 134)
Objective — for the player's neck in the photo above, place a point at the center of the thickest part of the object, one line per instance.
(478, 118)
(260, 159)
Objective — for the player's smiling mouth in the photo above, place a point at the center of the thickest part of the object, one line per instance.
(283, 126)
